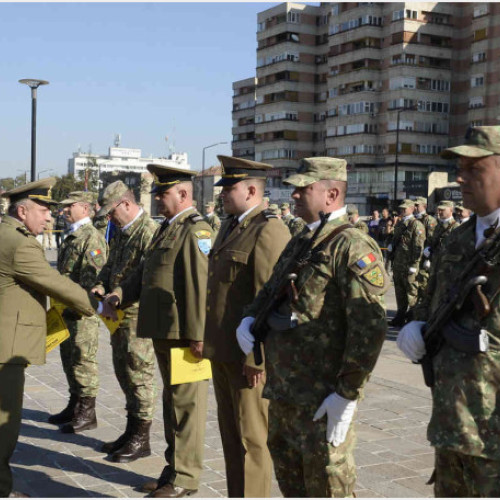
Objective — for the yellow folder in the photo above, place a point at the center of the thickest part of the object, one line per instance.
(57, 331)
(111, 325)
(185, 368)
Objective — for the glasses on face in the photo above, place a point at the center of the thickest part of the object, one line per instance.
(112, 211)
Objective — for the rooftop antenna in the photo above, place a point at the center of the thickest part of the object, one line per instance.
(118, 139)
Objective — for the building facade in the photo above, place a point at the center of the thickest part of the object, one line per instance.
(386, 86)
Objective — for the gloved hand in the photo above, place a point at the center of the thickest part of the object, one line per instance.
(427, 264)
(427, 252)
(389, 247)
(245, 338)
(339, 413)
(410, 340)
(412, 270)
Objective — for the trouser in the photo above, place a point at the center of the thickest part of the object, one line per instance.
(406, 289)
(133, 361)
(304, 463)
(11, 405)
(422, 280)
(79, 356)
(459, 475)
(243, 424)
(184, 420)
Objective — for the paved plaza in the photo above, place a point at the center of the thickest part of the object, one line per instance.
(392, 454)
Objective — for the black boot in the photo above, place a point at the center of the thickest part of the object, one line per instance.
(398, 320)
(113, 446)
(84, 418)
(137, 445)
(66, 415)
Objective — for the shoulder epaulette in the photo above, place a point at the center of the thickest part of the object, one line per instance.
(24, 230)
(194, 218)
(269, 215)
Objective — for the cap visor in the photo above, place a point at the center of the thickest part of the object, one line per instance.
(103, 211)
(45, 202)
(468, 151)
(300, 180)
(67, 201)
(227, 181)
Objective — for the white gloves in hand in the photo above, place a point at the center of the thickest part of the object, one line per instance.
(427, 252)
(410, 340)
(412, 270)
(245, 339)
(339, 413)
(427, 264)
(389, 247)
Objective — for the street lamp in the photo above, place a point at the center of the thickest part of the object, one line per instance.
(396, 158)
(203, 171)
(33, 84)
(42, 171)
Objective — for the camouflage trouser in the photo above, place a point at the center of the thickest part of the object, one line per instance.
(133, 360)
(304, 463)
(459, 475)
(79, 356)
(422, 279)
(406, 289)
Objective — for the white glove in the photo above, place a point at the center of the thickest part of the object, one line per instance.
(427, 252)
(412, 270)
(389, 247)
(245, 339)
(427, 264)
(340, 412)
(410, 340)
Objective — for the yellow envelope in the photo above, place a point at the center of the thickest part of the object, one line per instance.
(111, 325)
(185, 368)
(57, 331)
(57, 304)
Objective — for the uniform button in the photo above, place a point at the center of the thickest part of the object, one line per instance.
(211, 273)
(208, 291)
(208, 308)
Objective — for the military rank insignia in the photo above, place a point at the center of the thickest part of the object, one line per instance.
(204, 241)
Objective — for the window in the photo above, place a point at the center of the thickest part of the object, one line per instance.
(333, 92)
(402, 82)
(480, 34)
(293, 17)
(261, 27)
(478, 57)
(398, 14)
(411, 14)
(477, 81)
(480, 10)
(476, 102)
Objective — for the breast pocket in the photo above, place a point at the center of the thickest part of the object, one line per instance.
(234, 261)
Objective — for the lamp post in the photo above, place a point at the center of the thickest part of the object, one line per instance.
(396, 158)
(203, 172)
(25, 172)
(42, 171)
(33, 84)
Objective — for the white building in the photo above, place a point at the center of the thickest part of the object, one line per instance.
(121, 160)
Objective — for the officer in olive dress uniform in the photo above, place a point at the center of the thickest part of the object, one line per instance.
(464, 427)
(133, 357)
(171, 286)
(324, 338)
(248, 245)
(82, 255)
(26, 279)
(212, 218)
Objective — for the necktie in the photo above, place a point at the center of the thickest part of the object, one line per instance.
(233, 224)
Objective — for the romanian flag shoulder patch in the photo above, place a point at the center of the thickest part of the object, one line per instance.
(95, 253)
(366, 260)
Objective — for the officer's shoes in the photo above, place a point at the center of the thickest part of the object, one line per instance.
(84, 419)
(67, 414)
(149, 486)
(171, 491)
(137, 445)
(113, 446)
(398, 320)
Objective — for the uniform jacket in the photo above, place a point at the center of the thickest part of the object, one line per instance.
(408, 244)
(171, 283)
(430, 224)
(127, 248)
(340, 314)
(26, 278)
(361, 226)
(440, 233)
(239, 267)
(466, 403)
(213, 221)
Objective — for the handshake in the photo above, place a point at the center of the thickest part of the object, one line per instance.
(109, 303)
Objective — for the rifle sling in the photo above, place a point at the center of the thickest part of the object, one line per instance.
(321, 246)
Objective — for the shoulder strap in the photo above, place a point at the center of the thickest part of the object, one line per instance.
(331, 236)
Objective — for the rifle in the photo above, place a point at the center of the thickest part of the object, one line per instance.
(259, 327)
(468, 285)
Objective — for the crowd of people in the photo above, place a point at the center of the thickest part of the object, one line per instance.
(289, 309)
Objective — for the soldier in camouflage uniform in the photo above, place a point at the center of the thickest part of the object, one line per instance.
(353, 214)
(465, 424)
(463, 214)
(323, 344)
(133, 357)
(445, 226)
(99, 220)
(212, 218)
(430, 224)
(286, 215)
(296, 226)
(82, 255)
(406, 251)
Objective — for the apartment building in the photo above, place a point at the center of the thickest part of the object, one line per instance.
(386, 86)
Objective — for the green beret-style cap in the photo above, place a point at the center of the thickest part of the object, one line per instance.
(479, 142)
(316, 169)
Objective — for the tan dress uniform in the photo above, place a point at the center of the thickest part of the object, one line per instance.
(171, 288)
(26, 278)
(240, 264)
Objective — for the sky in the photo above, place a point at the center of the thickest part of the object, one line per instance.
(143, 70)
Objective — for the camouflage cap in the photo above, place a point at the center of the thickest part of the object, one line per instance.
(167, 177)
(459, 208)
(284, 206)
(406, 204)
(236, 169)
(78, 197)
(446, 204)
(316, 169)
(420, 200)
(210, 204)
(274, 209)
(266, 199)
(479, 142)
(352, 209)
(111, 195)
(40, 191)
